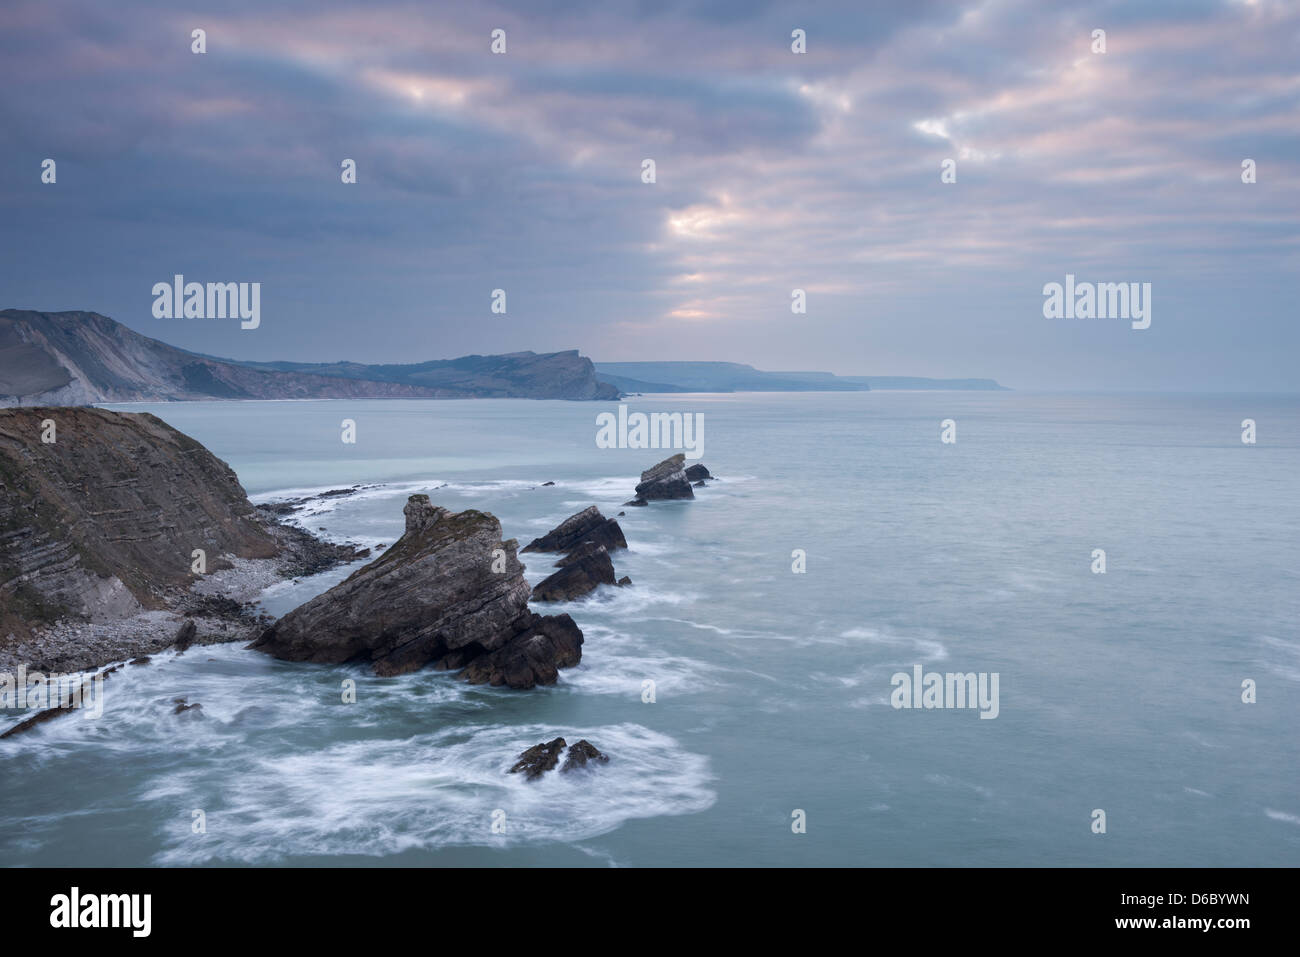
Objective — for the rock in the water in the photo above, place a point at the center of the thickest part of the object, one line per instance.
(434, 597)
(533, 657)
(539, 759)
(697, 473)
(667, 480)
(582, 753)
(182, 707)
(636, 502)
(586, 526)
(580, 572)
(623, 581)
(580, 554)
(699, 484)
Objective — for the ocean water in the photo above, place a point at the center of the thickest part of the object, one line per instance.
(1119, 691)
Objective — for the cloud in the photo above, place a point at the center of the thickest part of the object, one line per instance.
(775, 171)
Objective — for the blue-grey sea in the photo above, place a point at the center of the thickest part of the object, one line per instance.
(1120, 692)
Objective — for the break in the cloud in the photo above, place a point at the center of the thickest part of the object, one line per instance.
(775, 171)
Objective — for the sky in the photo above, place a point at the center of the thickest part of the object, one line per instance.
(774, 171)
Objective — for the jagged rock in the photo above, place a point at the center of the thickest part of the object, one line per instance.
(580, 572)
(142, 660)
(699, 484)
(547, 484)
(581, 553)
(539, 759)
(623, 581)
(182, 707)
(636, 503)
(697, 473)
(585, 526)
(533, 657)
(667, 480)
(434, 598)
(582, 753)
(185, 636)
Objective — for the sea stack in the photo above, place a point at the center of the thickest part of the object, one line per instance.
(667, 480)
(588, 538)
(586, 526)
(449, 593)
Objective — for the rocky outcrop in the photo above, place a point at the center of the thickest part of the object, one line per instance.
(588, 537)
(586, 526)
(697, 473)
(80, 358)
(185, 636)
(540, 758)
(450, 593)
(667, 480)
(581, 571)
(101, 516)
(532, 657)
(582, 754)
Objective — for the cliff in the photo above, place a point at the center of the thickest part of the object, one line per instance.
(82, 358)
(101, 523)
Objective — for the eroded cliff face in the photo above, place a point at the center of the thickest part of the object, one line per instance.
(100, 514)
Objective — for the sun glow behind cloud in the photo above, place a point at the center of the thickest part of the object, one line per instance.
(775, 171)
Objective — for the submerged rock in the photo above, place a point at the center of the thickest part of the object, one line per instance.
(586, 526)
(582, 753)
(667, 480)
(448, 593)
(539, 759)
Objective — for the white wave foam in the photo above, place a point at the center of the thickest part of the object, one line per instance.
(930, 649)
(1282, 816)
(381, 797)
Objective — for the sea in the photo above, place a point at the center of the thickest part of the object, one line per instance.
(1125, 567)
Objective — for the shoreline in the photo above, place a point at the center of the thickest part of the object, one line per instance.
(223, 605)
